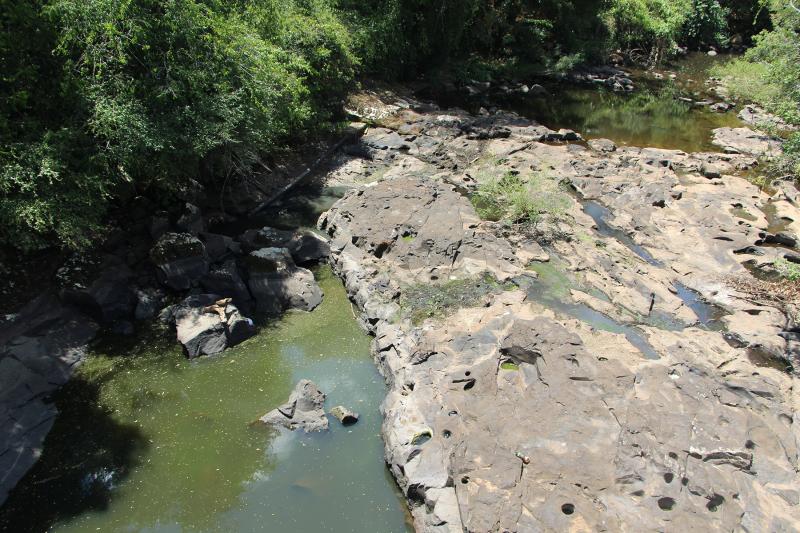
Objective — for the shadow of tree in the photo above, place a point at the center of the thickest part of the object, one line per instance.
(86, 454)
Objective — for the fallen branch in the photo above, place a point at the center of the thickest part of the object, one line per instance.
(303, 175)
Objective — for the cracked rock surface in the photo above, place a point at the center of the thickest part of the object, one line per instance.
(614, 404)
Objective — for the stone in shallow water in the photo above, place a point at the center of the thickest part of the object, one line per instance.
(344, 415)
(304, 410)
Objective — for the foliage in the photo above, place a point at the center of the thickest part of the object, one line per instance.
(147, 94)
(706, 24)
(102, 100)
(787, 270)
(424, 300)
(516, 199)
(769, 74)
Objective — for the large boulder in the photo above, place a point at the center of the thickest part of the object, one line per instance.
(207, 325)
(180, 260)
(225, 279)
(304, 410)
(98, 286)
(278, 284)
(219, 247)
(39, 349)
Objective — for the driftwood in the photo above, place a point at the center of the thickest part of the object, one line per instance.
(353, 132)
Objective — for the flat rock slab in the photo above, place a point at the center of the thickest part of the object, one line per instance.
(747, 141)
(515, 417)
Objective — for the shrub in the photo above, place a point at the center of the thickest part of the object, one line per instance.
(146, 94)
(518, 200)
(706, 24)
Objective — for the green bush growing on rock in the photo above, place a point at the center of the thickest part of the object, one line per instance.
(517, 199)
(787, 269)
(769, 75)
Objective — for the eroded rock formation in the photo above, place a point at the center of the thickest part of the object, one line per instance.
(624, 396)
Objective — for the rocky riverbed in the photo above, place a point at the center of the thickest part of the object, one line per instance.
(609, 367)
(643, 391)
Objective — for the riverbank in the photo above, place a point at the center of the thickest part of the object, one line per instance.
(634, 387)
(636, 276)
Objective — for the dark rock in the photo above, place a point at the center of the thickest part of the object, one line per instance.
(148, 302)
(278, 284)
(180, 260)
(266, 237)
(304, 410)
(38, 351)
(226, 281)
(218, 247)
(159, 225)
(122, 327)
(783, 238)
(239, 327)
(99, 286)
(207, 325)
(192, 220)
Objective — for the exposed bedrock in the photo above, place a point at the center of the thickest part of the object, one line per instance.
(527, 410)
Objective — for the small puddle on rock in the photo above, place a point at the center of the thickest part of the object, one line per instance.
(551, 289)
(708, 314)
(764, 359)
(600, 215)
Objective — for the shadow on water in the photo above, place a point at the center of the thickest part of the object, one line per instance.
(86, 455)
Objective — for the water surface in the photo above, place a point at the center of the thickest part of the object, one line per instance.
(149, 441)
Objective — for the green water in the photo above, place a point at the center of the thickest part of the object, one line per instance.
(651, 116)
(149, 441)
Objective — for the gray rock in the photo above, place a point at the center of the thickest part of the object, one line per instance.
(180, 260)
(304, 410)
(201, 328)
(308, 247)
(747, 141)
(344, 415)
(603, 145)
(226, 281)
(219, 247)
(278, 284)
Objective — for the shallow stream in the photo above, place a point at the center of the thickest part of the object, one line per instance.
(149, 441)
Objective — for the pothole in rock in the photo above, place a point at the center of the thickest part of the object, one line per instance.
(666, 503)
(568, 508)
